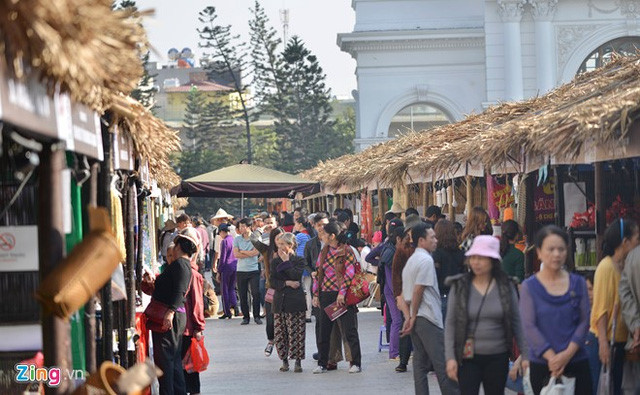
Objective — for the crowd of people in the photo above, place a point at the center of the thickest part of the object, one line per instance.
(454, 296)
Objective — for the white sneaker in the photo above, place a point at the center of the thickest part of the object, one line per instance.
(355, 369)
(319, 370)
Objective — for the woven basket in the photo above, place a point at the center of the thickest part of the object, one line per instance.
(87, 268)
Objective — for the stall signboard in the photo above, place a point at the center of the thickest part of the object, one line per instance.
(122, 151)
(145, 176)
(87, 131)
(78, 127)
(544, 205)
(18, 248)
(26, 104)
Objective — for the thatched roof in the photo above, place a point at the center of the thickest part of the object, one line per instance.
(599, 106)
(152, 138)
(79, 46)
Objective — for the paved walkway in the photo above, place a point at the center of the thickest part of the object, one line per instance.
(238, 364)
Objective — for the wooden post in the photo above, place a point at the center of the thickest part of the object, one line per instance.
(104, 200)
(423, 197)
(469, 202)
(600, 206)
(56, 332)
(404, 196)
(452, 210)
(90, 307)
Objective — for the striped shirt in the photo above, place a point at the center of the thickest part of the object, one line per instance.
(331, 279)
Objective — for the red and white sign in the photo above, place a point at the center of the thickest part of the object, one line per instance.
(18, 248)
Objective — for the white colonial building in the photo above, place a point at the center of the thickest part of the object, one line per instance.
(422, 63)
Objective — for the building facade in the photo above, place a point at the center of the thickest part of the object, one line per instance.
(422, 63)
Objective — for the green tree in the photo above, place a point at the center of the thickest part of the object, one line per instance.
(304, 123)
(229, 56)
(266, 60)
(344, 132)
(192, 122)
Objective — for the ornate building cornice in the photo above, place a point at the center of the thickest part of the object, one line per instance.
(363, 42)
(511, 10)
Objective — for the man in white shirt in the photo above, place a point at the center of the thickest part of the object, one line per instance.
(420, 304)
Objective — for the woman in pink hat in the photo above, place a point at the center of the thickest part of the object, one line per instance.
(482, 321)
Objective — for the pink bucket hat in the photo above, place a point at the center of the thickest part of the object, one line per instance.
(487, 246)
(377, 237)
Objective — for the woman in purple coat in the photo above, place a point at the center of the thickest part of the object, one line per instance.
(227, 272)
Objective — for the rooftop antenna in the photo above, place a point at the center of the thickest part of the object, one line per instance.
(284, 19)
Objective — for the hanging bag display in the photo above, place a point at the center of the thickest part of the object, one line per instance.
(84, 271)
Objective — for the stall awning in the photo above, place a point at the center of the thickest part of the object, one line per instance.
(245, 180)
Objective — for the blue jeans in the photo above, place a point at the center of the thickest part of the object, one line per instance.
(263, 290)
(592, 347)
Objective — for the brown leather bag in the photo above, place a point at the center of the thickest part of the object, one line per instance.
(82, 273)
(155, 313)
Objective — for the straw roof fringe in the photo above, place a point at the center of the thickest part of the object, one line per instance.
(597, 107)
(152, 138)
(80, 47)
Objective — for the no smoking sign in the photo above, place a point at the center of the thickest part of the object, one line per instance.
(7, 241)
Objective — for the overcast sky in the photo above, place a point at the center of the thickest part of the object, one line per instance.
(316, 22)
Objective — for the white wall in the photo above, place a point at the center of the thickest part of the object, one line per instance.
(450, 53)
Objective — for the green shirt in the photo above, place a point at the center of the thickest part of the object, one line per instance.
(513, 263)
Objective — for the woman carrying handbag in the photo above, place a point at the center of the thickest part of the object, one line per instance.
(289, 303)
(336, 269)
(166, 314)
(482, 322)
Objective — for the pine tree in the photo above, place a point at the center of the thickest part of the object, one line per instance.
(228, 56)
(266, 61)
(192, 122)
(303, 117)
(217, 130)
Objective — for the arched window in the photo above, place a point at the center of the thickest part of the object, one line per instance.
(626, 46)
(417, 117)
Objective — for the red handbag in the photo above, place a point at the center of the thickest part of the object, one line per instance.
(155, 313)
(359, 288)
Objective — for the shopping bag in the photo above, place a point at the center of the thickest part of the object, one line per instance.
(559, 386)
(517, 385)
(604, 381)
(526, 383)
(196, 359)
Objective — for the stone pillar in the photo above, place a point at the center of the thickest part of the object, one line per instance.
(543, 12)
(511, 13)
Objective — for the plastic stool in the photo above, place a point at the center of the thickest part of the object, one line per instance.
(381, 345)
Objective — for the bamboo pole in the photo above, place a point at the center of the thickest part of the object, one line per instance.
(56, 339)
